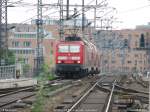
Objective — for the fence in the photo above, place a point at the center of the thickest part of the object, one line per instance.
(7, 72)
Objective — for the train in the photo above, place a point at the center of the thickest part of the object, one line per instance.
(76, 57)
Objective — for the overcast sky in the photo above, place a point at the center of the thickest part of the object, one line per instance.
(129, 12)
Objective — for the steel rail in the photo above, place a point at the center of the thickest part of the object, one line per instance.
(14, 92)
(15, 100)
(130, 90)
(75, 105)
(110, 97)
(20, 97)
(71, 109)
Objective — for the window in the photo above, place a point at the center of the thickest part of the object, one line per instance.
(136, 44)
(74, 49)
(24, 35)
(63, 48)
(17, 51)
(25, 60)
(125, 42)
(20, 52)
(142, 41)
(24, 51)
(27, 44)
(113, 61)
(129, 62)
(69, 48)
(16, 44)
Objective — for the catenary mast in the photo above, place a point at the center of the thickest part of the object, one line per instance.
(3, 26)
(39, 60)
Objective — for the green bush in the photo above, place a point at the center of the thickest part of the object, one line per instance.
(9, 57)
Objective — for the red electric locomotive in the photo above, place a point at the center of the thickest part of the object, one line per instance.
(76, 57)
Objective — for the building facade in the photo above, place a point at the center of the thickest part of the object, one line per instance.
(23, 40)
(125, 51)
(23, 43)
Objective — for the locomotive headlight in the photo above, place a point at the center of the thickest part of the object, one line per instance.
(59, 61)
(62, 57)
(78, 61)
(75, 58)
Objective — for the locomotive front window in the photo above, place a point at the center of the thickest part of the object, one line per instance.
(74, 48)
(63, 48)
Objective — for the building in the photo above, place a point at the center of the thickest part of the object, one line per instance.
(124, 51)
(23, 42)
(121, 50)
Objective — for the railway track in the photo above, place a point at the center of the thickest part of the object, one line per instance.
(98, 98)
(5, 91)
(139, 80)
(11, 96)
(94, 100)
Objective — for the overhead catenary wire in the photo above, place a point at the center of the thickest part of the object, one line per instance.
(23, 3)
(25, 21)
(101, 4)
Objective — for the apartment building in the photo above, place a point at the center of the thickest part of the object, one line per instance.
(121, 50)
(125, 50)
(23, 40)
(24, 44)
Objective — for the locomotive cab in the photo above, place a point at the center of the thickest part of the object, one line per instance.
(69, 58)
(75, 57)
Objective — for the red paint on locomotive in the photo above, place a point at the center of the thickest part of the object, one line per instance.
(76, 58)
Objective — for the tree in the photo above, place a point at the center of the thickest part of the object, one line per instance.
(9, 59)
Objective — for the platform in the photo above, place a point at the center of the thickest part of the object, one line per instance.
(13, 83)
